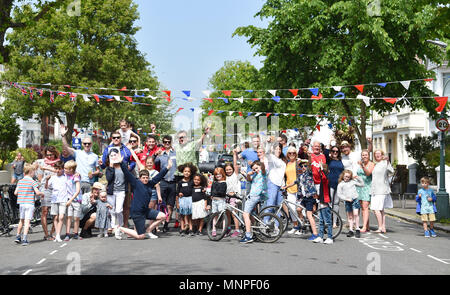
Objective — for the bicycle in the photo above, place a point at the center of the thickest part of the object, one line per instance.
(266, 232)
(304, 223)
(6, 212)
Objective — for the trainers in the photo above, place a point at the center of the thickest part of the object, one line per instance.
(25, 243)
(199, 233)
(328, 241)
(152, 236)
(427, 234)
(246, 240)
(18, 239)
(58, 240)
(312, 238)
(177, 224)
(191, 233)
(236, 234)
(165, 227)
(118, 234)
(182, 233)
(318, 240)
(76, 237)
(433, 233)
(67, 238)
(350, 234)
(358, 234)
(299, 232)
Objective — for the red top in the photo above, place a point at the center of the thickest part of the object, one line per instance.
(315, 166)
(146, 153)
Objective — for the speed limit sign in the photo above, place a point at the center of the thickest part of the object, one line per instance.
(442, 124)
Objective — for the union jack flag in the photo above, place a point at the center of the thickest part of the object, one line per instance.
(31, 94)
(24, 92)
(73, 96)
(40, 92)
(52, 97)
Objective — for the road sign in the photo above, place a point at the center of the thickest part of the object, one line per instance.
(442, 124)
(76, 143)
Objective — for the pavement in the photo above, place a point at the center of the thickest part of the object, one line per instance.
(411, 216)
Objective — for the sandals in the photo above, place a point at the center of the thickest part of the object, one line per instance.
(49, 238)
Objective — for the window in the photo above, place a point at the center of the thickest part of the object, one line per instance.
(446, 86)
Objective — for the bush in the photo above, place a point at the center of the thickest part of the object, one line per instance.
(29, 154)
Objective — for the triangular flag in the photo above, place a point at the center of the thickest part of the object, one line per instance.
(227, 92)
(225, 99)
(268, 114)
(337, 88)
(330, 126)
(249, 113)
(442, 102)
(249, 91)
(276, 98)
(209, 99)
(167, 92)
(364, 98)
(405, 84)
(220, 112)
(273, 92)
(339, 95)
(192, 109)
(124, 88)
(343, 119)
(240, 99)
(179, 110)
(231, 112)
(294, 91)
(317, 97)
(255, 99)
(382, 84)
(390, 100)
(240, 114)
(85, 97)
(314, 91)
(116, 97)
(187, 93)
(210, 112)
(293, 115)
(360, 87)
(96, 98)
(152, 97)
(428, 80)
(207, 93)
(130, 99)
(257, 114)
(318, 127)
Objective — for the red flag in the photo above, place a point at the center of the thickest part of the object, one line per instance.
(268, 114)
(227, 92)
(124, 88)
(343, 119)
(360, 88)
(293, 115)
(442, 101)
(390, 100)
(179, 110)
(240, 114)
(318, 127)
(210, 112)
(209, 99)
(167, 92)
(68, 86)
(317, 97)
(428, 80)
(255, 99)
(130, 99)
(294, 91)
(97, 98)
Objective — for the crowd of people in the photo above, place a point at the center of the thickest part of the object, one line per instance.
(161, 182)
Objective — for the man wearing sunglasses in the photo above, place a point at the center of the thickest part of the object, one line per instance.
(87, 161)
(124, 151)
(151, 148)
(168, 183)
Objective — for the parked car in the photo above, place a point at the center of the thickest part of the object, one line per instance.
(215, 160)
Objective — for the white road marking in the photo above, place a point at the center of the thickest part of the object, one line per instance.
(415, 250)
(383, 236)
(27, 272)
(42, 260)
(63, 245)
(440, 260)
(399, 243)
(53, 252)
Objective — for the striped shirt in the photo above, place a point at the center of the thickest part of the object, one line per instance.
(25, 190)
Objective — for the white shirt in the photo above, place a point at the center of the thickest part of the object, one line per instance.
(347, 190)
(233, 184)
(125, 136)
(57, 185)
(350, 162)
(277, 168)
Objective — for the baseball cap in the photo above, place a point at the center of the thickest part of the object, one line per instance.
(98, 186)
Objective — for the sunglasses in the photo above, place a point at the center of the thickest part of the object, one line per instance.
(164, 141)
(116, 137)
(291, 153)
(87, 143)
(304, 165)
(132, 141)
(335, 151)
(49, 155)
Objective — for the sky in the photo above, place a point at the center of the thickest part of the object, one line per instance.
(188, 41)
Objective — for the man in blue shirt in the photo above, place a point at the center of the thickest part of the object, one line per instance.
(167, 184)
(249, 156)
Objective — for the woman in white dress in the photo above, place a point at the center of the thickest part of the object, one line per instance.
(381, 190)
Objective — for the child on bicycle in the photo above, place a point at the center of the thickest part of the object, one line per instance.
(308, 193)
(233, 189)
(25, 191)
(258, 191)
(199, 202)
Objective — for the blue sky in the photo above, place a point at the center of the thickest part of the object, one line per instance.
(188, 41)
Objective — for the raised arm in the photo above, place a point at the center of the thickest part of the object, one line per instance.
(128, 176)
(135, 157)
(66, 146)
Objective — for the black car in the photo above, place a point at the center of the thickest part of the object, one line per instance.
(224, 159)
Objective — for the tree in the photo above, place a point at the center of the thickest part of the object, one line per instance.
(314, 43)
(9, 135)
(96, 49)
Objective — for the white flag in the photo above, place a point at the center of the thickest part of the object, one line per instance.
(405, 84)
(364, 98)
(257, 114)
(273, 92)
(240, 99)
(116, 97)
(337, 88)
(207, 93)
(85, 97)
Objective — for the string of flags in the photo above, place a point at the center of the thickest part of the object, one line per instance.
(315, 94)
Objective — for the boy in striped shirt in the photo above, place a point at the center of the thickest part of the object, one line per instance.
(26, 188)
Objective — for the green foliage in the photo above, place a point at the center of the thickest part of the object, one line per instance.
(29, 155)
(418, 149)
(9, 135)
(313, 43)
(57, 144)
(95, 49)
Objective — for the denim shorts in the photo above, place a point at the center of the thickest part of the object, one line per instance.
(352, 205)
(217, 205)
(309, 203)
(251, 203)
(139, 219)
(154, 195)
(18, 176)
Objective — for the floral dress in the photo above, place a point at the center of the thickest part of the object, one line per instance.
(364, 191)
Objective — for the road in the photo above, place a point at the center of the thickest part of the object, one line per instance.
(401, 251)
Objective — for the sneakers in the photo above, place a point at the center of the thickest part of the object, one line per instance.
(427, 234)
(152, 236)
(318, 240)
(328, 241)
(67, 238)
(118, 234)
(236, 234)
(191, 233)
(165, 227)
(246, 240)
(76, 237)
(299, 232)
(182, 233)
(199, 233)
(358, 234)
(312, 238)
(18, 239)
(177, 225)
(294, 230)
(432, 233)
(350, 234)
(25, 243)
(85, 234)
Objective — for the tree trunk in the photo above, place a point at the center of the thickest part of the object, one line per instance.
(70, 117)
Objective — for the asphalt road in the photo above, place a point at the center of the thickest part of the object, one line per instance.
(401, 251)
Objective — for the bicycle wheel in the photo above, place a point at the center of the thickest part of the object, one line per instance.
(268, 231)
(221, 224)
(280, 213)
(336, 231)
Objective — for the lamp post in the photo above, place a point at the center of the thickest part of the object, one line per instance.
(442, 202)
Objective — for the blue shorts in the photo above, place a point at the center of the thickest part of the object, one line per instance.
(352, 205)
(139, 220)
(251, 203)
(18, 176)
(309, 203)
(154, 195)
